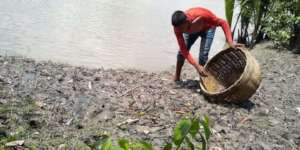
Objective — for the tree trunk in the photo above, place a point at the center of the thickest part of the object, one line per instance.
(243, 33)
(261, 11)
(296, 40)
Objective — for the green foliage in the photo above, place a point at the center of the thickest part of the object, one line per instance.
(187, 132)
(168, 146)
(298, 9)
(205, 124)
(124, 144)
(32, 147)
(195, 127)
(190, 134)
(278, 19)
(252, 13)
(102, 143)
(186, 135)
(27, 106)
(107, 144)
(181, 130)
(281, 21)
(16, 129)
(229, 6)
(19, 134)
(142, 145)
(190, 145)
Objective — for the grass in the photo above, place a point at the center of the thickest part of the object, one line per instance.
(189, 133)
(15, 126)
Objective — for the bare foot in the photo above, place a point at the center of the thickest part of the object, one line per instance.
(176, 78)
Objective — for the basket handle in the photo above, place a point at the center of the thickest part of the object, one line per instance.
(240, 45)
(237, 45)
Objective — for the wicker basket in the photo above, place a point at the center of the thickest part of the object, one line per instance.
(234, 76)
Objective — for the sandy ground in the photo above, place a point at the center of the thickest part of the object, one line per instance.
(49, 105)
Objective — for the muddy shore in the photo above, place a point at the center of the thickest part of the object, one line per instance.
(51, 105)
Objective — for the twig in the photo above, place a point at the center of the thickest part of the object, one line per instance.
(126, 92)
(128, 121)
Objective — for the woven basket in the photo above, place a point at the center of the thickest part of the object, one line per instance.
(234, 76)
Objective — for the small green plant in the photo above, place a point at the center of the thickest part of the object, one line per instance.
(188, 134)
(19, 134)
(106, 143)
(16, 127)
(32, 147)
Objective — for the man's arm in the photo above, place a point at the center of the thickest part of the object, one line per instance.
(183, 49)
(187, 55)
(227, 31)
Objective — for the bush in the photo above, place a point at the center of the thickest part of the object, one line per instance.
(281, 21)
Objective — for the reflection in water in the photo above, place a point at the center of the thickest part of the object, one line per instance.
(109, 33)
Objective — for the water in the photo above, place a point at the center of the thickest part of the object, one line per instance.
(98, 33)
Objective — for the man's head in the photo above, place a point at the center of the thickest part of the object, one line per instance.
(179, 20)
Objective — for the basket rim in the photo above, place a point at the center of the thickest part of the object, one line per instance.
(232, 85)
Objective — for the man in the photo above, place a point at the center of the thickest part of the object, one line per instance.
(188, 26)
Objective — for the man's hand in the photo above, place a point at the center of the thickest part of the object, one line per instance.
(237, 45)
(200, 69)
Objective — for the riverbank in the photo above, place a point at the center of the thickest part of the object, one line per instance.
(52, 105)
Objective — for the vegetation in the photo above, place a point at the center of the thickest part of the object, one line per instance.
(10, 113)
(188, 134)
(278, 20)
(283, 23)
(229, 6)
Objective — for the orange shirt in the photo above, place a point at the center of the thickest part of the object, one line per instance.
(208, 20)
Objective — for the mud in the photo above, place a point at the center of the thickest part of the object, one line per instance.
(51, 105)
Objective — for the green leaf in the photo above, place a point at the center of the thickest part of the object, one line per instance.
(195, 127)
(203, 145)
(181, 130)
(229, 6)
(123, 143)
(298, 8)
(189, 144)
(205, 124)
(98, 144)
(142, 145)
(32, 147)
(107, 144)
(168, 146)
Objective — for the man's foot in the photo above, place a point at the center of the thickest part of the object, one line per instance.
(176, 79)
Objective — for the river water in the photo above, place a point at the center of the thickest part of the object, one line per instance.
(98, 33)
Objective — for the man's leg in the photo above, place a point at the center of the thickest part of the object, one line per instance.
(206, 41)
(189, 40)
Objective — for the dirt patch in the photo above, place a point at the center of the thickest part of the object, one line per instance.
(48, 104)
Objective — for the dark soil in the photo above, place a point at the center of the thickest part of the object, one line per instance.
(52, 105)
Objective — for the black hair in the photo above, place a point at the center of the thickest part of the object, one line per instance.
(178, 18)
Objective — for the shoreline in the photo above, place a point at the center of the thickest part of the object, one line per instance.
(54, 104)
